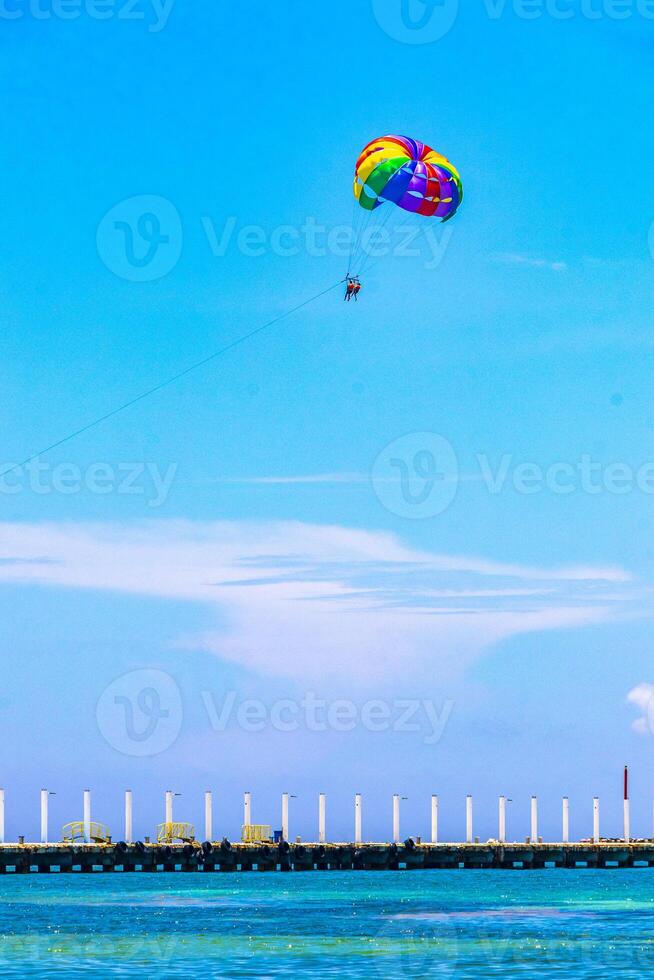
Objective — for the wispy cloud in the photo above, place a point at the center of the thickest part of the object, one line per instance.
(345, 479)
(642, 696)
(315, 478)
(529, 261)
(308, 600)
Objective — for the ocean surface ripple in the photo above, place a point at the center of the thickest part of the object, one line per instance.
(420, 924)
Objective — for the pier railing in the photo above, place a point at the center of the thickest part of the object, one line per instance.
(98, 832)
(169, 832)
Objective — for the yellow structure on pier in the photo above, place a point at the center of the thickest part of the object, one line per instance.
(256, 833)
(169, 832)
(99, 832)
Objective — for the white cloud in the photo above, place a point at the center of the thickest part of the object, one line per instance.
(306, 600)
(515, 258)
(301, 480)
(310, 479)
(643, 697)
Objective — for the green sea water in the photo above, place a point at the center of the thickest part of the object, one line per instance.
(417, 924)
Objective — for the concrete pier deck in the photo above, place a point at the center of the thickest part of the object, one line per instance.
(227, 857)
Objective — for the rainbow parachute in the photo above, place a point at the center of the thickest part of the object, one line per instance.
(407, 173)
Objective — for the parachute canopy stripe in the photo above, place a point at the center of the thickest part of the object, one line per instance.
(407, 173)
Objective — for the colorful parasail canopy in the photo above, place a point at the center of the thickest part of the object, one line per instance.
(407, 173)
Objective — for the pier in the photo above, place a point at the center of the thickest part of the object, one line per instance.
(224, 856)
(87, 846)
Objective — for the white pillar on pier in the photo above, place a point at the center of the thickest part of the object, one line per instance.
(284, 816)
(208, 816)
(434, 820)
(44, 815)
(396, 819)
(169, 806)
(627, 807)
(358, 837)
(596, 820)
(322, 832)
(87, 816)
(502, 820)
(247, 808)
(129, 831)
(627, 821)
(469, 837)
(534, 820)
(566, 820)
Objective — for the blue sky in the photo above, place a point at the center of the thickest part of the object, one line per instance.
(245, 533)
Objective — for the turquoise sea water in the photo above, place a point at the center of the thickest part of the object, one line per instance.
(438, 924)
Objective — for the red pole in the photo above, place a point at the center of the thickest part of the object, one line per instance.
(626, 782)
